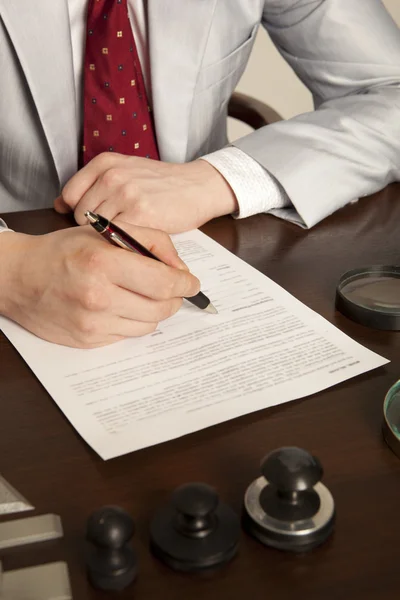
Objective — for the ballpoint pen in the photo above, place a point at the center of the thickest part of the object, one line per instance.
(119, 237)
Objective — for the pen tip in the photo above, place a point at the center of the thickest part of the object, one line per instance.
(211, 309)
(91, 217)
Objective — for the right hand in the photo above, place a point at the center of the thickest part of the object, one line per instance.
(73, 288)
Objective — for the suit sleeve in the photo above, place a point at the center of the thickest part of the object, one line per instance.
(347, 52)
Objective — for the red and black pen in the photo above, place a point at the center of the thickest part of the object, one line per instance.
(119, 237)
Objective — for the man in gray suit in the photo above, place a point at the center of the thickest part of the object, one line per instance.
(192, 54)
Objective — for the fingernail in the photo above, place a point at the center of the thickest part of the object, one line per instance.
(194, 286)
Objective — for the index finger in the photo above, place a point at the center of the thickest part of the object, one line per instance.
(84, 179)
(157, 242)
(148, 277)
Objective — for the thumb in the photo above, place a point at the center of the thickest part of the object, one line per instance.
(157, 242)
(60, 206)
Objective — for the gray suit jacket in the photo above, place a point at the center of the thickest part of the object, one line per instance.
(346, 51)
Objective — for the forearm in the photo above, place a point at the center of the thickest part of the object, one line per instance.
(347, 149)
(348, 55)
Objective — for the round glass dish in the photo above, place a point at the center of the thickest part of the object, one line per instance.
(371, 296)
(391, 418)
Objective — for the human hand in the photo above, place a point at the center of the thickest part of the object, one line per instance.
(171, 197)
(73, 288)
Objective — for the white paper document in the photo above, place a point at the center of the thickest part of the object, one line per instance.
(198, 369)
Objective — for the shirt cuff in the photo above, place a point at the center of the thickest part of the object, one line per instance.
(3, 226)
(255, 189)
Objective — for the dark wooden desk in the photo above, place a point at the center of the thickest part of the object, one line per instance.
(47, 461)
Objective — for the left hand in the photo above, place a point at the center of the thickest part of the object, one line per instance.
(170, 197)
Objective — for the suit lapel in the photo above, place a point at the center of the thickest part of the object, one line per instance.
(178, 32)
(40, 34)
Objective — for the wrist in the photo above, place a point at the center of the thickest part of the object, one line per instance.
(12, 249)
(217, 196)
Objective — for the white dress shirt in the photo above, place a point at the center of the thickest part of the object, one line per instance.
(256, 191)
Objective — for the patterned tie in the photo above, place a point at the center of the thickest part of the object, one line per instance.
(116, 111)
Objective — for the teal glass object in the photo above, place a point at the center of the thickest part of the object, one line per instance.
(391, 413)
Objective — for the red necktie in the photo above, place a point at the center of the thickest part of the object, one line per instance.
(116, 111)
